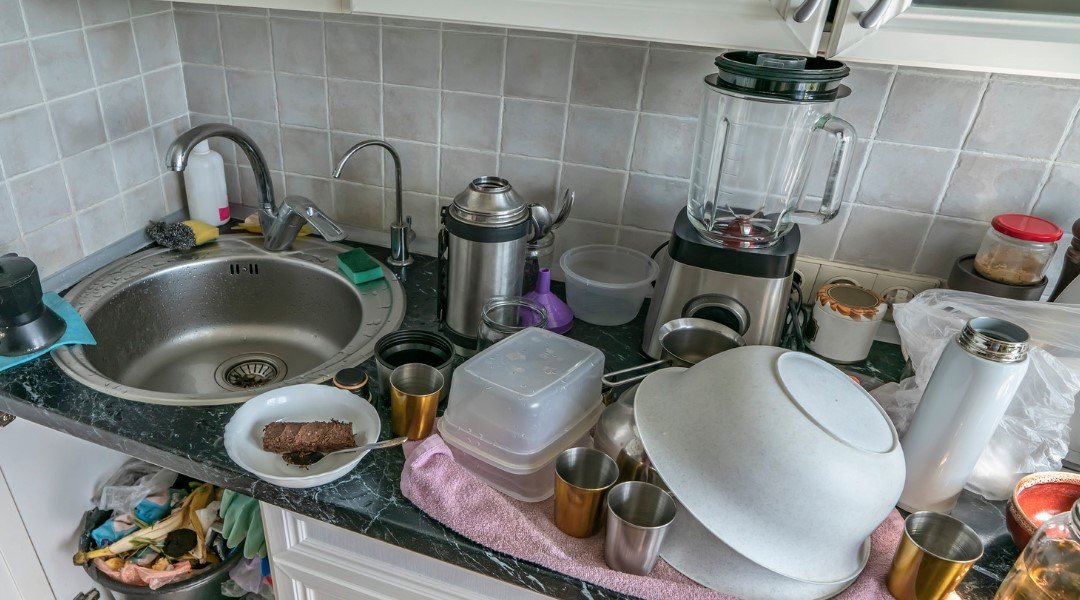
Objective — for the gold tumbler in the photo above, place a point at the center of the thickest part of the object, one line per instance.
(935, 554)
(583, 477)
(414, 396)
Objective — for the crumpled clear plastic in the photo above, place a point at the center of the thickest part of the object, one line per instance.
(1034, 434)
(246, 581)
(130, 484)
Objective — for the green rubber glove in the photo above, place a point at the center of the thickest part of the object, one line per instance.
(242, 524)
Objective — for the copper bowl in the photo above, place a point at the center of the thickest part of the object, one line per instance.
(1036, 498)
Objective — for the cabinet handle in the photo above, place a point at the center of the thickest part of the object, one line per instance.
(6, 419)
(874, 16)
(807, 10)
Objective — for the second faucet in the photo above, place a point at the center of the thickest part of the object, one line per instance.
(401, 229)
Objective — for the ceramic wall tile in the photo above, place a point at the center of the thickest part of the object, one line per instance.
(252, 94)
(91, 177)
(869, 86)
(136, 159)
(984, 186)
(411, 56)
(664, 145)
(245, 42)
(50, 16)
(411, 113)
(1060, 197)
(359, 205)
(599, 137)
(421, 175)
(199, 37)
(101, 225)
(12, 26)
(355, 106)
(165, 94)
(40, 198)
(905, 177)
(470, 120)
(457, 169)
(143, 204)
(20, 84)
(298, 46)
(472, 62)
(9, 227)
(607, 75)
(155, 39)
(78, 123)
(533, 127)
(352, 51)
(929, 111)
(206, 89)
(652, 202)
(1022, 119)
(538, 68)
(53, 247)
(673, 81)
(62, 64)
(534, 179)
(598, 192)
(96, 12)
(306, 151)
(302, 100)
(948, 239)
(882, 237)
(366, 166)
(28, 142)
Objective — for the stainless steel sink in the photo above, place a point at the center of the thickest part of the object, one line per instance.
(225, 322)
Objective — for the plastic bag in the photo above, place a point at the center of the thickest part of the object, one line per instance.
(132, 482)
(1034, 434)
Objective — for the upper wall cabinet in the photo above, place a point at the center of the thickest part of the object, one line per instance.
(793, 26)
(1027, 37)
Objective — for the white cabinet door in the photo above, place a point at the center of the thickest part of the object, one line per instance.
(334, 6)
(1024, 37)
(793, 26)
(21, 575)
(312, 560)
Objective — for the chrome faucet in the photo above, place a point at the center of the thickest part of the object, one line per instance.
(280, 224)
(401, 232)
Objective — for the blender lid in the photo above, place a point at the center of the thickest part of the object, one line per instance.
(489, 201)
(780, 76)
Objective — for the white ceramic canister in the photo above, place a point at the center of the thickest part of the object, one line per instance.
(845, 319)
(971, 387)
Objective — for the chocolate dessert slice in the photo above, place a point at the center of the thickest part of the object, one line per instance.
(325, 436)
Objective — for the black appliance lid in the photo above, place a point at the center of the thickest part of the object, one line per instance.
(780, 76)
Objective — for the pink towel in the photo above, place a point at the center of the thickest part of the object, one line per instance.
(446, 491)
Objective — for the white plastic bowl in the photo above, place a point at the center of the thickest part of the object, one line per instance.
(605, 285)
(299, 403)
(778, 454)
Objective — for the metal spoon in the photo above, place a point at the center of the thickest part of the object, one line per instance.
(306, 459)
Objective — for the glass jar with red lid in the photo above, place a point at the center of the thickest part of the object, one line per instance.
(1017, 249)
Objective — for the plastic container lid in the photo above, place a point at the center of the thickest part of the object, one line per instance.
(518, 397)
(1027, 228)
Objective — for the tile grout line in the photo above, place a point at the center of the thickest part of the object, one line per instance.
(1073, 121)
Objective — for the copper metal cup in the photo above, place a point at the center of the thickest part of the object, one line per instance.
(583, 477)
(414, 396)
(935, 554)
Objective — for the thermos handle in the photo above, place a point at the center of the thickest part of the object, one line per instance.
(839, 167)
(441, 269)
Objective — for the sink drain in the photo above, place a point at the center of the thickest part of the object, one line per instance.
(249, 371)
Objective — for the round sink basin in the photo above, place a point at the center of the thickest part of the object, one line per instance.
(225, 322)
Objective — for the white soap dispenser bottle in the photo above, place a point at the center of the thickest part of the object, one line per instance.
(204, 184)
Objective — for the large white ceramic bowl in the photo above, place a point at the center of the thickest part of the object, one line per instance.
(300, 403)
(778, 454)
(701, 556)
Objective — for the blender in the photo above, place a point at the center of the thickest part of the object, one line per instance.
(732, 251)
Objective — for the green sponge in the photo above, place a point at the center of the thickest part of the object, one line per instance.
(358, 266)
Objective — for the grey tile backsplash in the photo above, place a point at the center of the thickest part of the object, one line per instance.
(86, 87)
(939, 154)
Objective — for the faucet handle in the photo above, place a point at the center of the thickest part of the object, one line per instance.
(314, 216)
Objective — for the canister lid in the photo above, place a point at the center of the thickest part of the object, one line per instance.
(780, 76)
(994, 339)
(1027, 228)
(852, 301)
(489, 201)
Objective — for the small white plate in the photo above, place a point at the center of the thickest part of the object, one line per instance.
(300, 403)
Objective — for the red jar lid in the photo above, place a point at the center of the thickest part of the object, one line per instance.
(1027, 227)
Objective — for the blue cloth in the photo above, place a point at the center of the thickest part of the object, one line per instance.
(77, 332)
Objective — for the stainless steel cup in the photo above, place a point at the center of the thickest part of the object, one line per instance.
(639, 516)
(582, 478)
(935, 554)
(414, 396)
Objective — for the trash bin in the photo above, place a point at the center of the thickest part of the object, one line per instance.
(204, 586)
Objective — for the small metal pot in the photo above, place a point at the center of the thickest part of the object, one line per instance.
(414, 346)
(683, 343)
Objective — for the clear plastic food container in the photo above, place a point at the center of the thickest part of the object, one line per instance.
(605, 285)
(519, 403)
(1017, 249)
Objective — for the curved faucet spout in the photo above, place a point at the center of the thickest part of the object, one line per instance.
(177, 154)
(401, 229)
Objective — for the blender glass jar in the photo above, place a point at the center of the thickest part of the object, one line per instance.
(759, 117)
(1017, 249)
